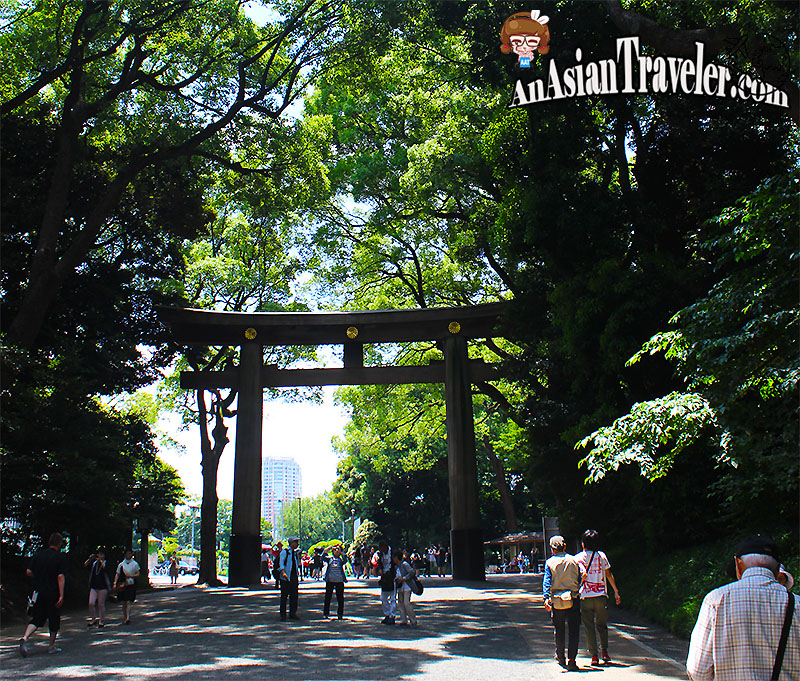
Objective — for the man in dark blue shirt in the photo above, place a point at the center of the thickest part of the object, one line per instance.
(48, 570)
(289, 578)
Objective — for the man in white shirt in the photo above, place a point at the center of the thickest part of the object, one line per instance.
(739, 629)
(594, 595)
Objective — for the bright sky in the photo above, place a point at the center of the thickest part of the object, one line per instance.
(299, 430)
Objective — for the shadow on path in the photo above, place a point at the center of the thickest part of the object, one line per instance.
(496, 630)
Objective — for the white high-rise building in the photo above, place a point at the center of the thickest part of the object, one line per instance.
(281, 484)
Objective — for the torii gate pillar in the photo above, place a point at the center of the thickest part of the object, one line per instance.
(450, 326)
(245, 546)
(466, 546)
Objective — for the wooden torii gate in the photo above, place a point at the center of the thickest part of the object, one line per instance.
(451, 327)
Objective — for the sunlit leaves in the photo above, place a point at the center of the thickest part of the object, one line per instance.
(736, 350)
(651, 436)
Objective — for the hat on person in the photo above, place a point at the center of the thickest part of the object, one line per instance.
(759, 544)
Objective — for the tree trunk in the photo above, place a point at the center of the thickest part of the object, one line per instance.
(502, 486)
(211, 454)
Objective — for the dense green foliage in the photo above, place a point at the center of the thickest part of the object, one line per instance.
(600, 218)
(670, 588)
(647, 244)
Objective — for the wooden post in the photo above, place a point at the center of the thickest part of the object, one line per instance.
(466, 546)
(245, 566)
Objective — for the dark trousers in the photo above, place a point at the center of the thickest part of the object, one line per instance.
(569, 617)
(329, 587)
(289, 591)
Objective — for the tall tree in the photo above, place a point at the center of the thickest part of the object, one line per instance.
(137, 87)
(588, 210)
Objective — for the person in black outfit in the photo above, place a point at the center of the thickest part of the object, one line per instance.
(99, 586)
(290, 578)
(48, 570)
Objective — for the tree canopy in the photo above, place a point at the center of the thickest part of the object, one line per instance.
(361, 154)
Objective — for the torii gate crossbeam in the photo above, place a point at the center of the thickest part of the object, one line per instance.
(451, 327)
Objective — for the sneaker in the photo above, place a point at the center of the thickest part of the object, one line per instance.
(23, 647)
(91, 623)
(572, 666)
(606, 657)
(385, 620)
(53, 650)
(595, 660)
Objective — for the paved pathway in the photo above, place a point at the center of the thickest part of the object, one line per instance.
(498, 631)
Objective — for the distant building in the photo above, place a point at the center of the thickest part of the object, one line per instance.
(281, 484)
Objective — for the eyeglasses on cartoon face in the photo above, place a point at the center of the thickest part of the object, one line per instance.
(518, 41)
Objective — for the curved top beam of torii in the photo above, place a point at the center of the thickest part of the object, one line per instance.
(204, 327)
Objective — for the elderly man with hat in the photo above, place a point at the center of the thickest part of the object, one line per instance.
(749, 629)
(561, 586)
(289, 567)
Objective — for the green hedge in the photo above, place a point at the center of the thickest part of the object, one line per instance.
(670, 588)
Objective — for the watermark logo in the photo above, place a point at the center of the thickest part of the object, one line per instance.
(524, 34)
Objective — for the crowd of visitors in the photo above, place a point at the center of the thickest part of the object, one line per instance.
(745, 629)
(48, 572)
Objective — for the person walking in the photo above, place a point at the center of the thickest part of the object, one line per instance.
(749, 629)
(127, 572)
(594, 595)
(534, 559)
(335, 579)
(173, 569)
(365, 555)
(264, 565)
(276, 563)
(48, 571)
(356, 561)
(404, 573)
(99, 586)
(290, 567)
(441, 557)
(561, 587)
(384, 569)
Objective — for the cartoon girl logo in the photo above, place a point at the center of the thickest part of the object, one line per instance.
(525, 33)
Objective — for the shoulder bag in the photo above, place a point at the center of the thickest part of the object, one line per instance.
(787, 623)
(413, 582)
